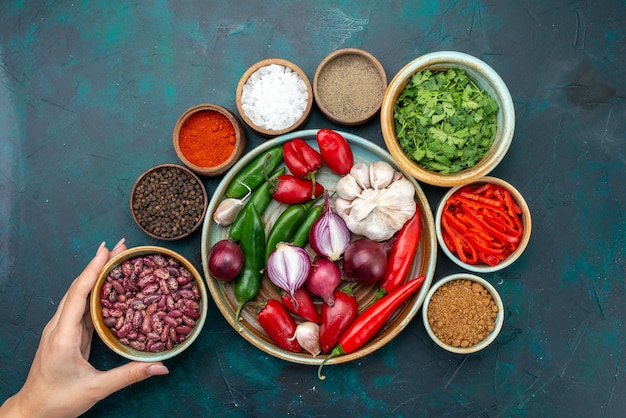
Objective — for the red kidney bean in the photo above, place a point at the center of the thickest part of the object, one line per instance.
(170, 321)
(157, 346)
(146, 280)
(188, 321)
(138, 345)
(183, 329)
(165, 289)
(162, 273)
(150, 303)
(118, 286)
(110, 321)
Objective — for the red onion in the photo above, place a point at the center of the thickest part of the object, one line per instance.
(288, 267)
(225, 260)
(329, 236)
(365, 260)
(323, 279)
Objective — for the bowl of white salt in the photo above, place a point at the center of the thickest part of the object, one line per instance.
(274, 97)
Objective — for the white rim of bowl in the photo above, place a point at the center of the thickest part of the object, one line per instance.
(483, 268)
(501, 93)
(499, 318)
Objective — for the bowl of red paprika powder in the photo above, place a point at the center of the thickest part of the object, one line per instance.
(208, 139)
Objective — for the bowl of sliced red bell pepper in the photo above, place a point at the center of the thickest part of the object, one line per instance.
(483, 226)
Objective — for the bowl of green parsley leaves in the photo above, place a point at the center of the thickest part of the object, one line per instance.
(447, 118)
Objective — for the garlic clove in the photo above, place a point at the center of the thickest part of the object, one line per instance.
(227, 211)
(348, 188)
(381, 174)
(361, 174)
(308, 336)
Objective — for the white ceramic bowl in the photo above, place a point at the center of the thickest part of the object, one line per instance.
(499, 320)
(487, 79)
(525, 219)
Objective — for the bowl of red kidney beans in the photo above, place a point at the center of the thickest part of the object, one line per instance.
(148, 304)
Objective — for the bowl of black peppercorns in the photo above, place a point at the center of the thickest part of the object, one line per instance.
(168, 202)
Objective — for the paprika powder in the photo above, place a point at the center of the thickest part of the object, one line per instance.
(207, 138)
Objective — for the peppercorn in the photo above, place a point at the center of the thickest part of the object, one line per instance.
(168, 202)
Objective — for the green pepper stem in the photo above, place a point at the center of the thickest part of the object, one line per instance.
(240, 305)
(380, 293)
(337, 351)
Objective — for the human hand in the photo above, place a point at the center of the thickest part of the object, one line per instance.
(61, 381)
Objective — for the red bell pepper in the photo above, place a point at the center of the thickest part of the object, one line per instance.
(305, 306)
(482, 224)
(336, 151)
(368, 323)
(335, 319)
(279, 325)
(302, 159)
(291, 190)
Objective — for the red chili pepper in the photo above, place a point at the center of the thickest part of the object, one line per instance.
(335, 319)
(368, 323)
(335, 150)
(401, 255)
(306, 308)
(291, 190)
(301, 159)
(279, 325)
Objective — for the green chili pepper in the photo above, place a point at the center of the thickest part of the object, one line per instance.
(261, 199)
(253, 175)
(286, 225)
(248, 283)
(301, 236)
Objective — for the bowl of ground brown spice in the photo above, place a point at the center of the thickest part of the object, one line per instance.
(349, 86)
(208, 139)
(168, 202)
(463, 313)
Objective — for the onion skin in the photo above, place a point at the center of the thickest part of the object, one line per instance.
(365, 261)
(323, 279)
(225, 260)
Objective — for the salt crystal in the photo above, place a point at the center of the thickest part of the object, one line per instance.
(274, 97)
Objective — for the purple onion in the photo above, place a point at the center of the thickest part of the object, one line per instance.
(329, 236)
(323, 279)
(225, 260)
(365, 261)
(288, 267)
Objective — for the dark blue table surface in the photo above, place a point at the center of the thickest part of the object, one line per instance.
(90, 92)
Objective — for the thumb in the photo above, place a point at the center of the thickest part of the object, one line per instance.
(127, 374)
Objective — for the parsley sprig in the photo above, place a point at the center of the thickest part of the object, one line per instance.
(444, 121)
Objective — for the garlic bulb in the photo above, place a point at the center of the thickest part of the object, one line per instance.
(380, 210)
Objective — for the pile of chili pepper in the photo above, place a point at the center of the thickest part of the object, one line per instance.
(481, 224)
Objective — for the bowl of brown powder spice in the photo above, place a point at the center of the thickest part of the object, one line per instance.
(349, 86)
(463, 313)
